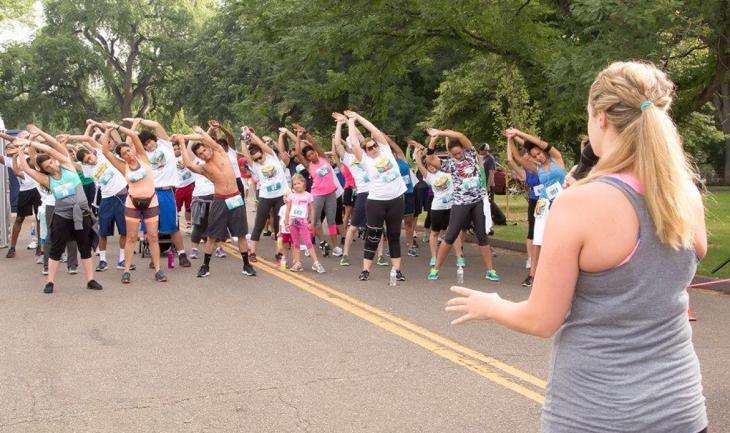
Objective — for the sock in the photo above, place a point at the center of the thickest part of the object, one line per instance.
(206, 259)
(244, 256)
(180, 253)
(102, 255)
(121, 255)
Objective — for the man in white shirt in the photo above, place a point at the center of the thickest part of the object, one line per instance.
(28, 201)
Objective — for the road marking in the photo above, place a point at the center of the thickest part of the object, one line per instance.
(441, 346)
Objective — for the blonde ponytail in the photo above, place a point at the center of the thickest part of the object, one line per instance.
(636, 98)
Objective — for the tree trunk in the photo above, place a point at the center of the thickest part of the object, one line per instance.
(722, 107)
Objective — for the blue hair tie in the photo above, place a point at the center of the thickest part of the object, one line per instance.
(645, 104)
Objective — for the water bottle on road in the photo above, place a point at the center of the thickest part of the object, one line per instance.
(393, 277)
(170, 259)
(460, 275)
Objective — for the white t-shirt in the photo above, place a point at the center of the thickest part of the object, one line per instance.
(26, 182)
(163, 162)
(109, 181)
(359, 173)
(270, 177)
(282, 220)
(443, 190)
(47, 199)
(386, 182)
(184, 175)
(233, 156)
(203, 186)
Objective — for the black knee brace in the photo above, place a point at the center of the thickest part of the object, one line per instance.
(372, 239)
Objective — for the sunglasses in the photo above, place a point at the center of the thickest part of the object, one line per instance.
(369, 148)
(260, 158)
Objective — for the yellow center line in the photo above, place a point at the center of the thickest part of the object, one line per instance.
(441, 346)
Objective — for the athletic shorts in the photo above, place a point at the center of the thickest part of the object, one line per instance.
(410, 204)
(142, 214)
(358, 218)
(111, 213)
(28, 202)
(239, 184)
(440, 219)
(168, 211)
(184, 196)
(222, 220)
(348, 198)
(531, 218)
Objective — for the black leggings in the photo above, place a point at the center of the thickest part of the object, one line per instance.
(263, 208)
(390, 213)
(62, 231)
(461, 216)
(532, 203)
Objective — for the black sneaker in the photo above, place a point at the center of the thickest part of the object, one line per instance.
(364, 276)
(399, 275)
(160, 276)
(93, 285)
(527, 282)
(204, 271)
(48, 288)
(324, 246)
(249, 271)
(11, 255)
(183, 260)
(267, 233)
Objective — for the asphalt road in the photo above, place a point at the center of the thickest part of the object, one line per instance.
(282, 352)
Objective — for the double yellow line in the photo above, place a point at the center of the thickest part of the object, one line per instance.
(494, 370)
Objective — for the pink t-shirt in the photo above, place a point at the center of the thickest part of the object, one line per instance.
(323, 178)
(299, 205)
(349, 179)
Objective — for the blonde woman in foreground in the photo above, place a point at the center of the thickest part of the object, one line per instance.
(620, 248)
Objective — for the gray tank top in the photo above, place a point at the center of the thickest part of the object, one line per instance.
(623, 361)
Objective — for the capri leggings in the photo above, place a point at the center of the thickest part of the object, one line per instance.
(62, 231)
(531, 218)
(329, 204)
(264, 208)
(461, 216)
(390, 213)
(300, 233)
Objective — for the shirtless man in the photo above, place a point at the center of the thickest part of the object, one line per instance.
(228, 210)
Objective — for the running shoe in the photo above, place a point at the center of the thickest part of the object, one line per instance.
(121, 264)
(11, 255)
(73, 270)
(248, 271)
(182, 259)
(337, 252)
(460, 262)
(64, 258)
(221, 253)
(306, 252)
(267, 233)
(318, 268)
(425, 237)
(204, 271)
(415, 242)
(39, 259)
(93, 285)
(433, 274)
(432, 263)
(45, 270)
(399, 275)
(194, 253)
(413, 252)
(48, 288)
(252, 258)
(297, 267)
(102, 266)
(344, 261)
(527, 282)
(382, 261)
(126, 278)
(277, 257)
(160, 276)
(33, 244)
(325, 247)
(492, 275)
(364, 276)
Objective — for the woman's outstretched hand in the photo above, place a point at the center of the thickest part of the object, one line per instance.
(473, 303)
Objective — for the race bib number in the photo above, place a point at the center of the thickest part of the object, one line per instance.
(299, 168)
(187, 175)
(63, 190)
(446, 199)
(234, 202)
(136, 176)
(365, 178)
(322, 172)
(105, 178)
(552, 190)
(390, 176)
(537, 190)
(297, 212)
(158, 159)
(471, 183)
(407, 179)
(273, 187)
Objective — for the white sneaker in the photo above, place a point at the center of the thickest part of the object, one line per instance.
(317, 267)
(39, 259)
(33, 244)
(234, 239)
(220, 253)
(64, 258)
(337, 252)
(528, 263)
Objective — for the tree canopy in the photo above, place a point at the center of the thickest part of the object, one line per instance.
(465, 64)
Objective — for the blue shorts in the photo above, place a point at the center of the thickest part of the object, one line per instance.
(168, 212)
(111, 213)
(358, 218)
